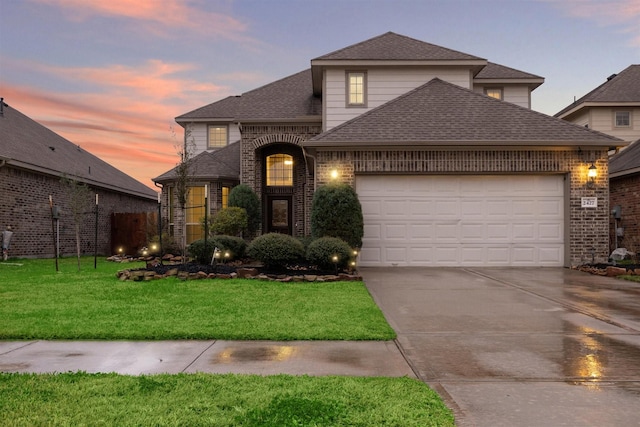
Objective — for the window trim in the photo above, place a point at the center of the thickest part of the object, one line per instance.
(220, 126)
(348, 102)
(501, 89)
(615, 118)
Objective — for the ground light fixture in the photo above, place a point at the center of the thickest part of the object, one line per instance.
(591, 175)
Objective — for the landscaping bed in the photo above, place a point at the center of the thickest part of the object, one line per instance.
(611, 270)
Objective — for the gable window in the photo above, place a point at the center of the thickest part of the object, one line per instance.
(356, 88)
(494, 92)
(280, 170)
(623, 119)
(218, 136)
(194, 213)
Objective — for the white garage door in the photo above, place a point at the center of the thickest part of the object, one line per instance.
(462, 220)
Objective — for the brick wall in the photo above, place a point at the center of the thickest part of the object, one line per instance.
(588, 227)
(25, 207)
(625, 192)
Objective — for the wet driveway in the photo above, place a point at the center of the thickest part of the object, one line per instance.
(519, 347)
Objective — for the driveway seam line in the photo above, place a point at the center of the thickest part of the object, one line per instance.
(198, 356)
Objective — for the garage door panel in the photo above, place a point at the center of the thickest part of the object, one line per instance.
(451, 220)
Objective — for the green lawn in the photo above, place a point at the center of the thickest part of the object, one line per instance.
(217, 400)
(40, 303)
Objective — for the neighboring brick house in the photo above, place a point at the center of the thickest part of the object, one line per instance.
(451, 166)
(614, 108)
(33, 159)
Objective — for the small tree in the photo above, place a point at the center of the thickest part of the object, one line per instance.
(230, 221)
(336, 212)
(244, 197)
(184, 172)
(79, 198)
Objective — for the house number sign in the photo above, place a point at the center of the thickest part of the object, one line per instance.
(589, 202)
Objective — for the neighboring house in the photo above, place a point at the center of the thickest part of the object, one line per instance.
(614, 108)
(451, 166)
(33, 160)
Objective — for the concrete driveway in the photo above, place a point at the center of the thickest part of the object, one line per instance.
(519, 347)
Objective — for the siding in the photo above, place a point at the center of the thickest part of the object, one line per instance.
(603, 121)
(515, 94)
(383, 85)
(198, 134)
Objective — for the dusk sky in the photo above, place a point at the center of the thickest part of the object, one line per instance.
(112, 75)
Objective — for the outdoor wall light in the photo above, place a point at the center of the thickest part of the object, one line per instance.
(334, 174)
(591, 175)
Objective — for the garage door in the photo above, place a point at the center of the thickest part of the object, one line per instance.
(468, 220)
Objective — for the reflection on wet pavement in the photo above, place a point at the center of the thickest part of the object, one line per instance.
(267, 353)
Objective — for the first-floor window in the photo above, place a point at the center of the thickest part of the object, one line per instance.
(171, 213)
(623, 119)
(225, 197)
(194, 214)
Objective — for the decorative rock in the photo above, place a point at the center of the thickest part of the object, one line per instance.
(615, 271)
(310, 277)
(247, 272)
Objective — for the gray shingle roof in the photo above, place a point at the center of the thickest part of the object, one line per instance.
(496, 71)
(621, 88)
(395, 47)
(26, 144)
(290, 98)
(440, 113)
(223, 163)
(627, 161)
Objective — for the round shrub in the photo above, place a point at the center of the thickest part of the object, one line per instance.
(200, 253)
(321, 252)
(276, 250)
(243, 196)
(235, 246)
(229, 221)
(336, 212)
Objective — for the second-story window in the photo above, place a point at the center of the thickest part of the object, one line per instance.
(494, 92)
(623, 119)
(356, 88)
(217, 136)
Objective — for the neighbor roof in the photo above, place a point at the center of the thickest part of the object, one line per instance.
(290, 98)
(619, 88)
(441, 113)
(26, 144)
(625, 162)
(223, 163)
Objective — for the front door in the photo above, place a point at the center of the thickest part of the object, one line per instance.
(279, 214)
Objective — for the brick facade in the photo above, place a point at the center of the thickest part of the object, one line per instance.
(25, 207)
(625, 192)
(588, 227)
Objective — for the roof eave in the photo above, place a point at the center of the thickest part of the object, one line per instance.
(462, 144)
(532, 83)
(563, 114)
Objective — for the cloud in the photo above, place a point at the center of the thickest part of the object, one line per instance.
(161, 17)
(624, 14)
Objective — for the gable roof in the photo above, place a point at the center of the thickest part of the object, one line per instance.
(441, 113)
(494, 73)
(625, 162)
(290, 99)
(26, 144)
(392, 49)
(223, 163)
(622, 88)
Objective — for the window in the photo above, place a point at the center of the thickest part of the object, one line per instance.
(356, 86)
(170, 193)
(194, 213)
(217, 137)
(494, 93)
(280, 170)
(623, 119)
(225, 197)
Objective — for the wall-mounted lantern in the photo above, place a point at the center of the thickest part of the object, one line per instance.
(334, 174)
(591, 175)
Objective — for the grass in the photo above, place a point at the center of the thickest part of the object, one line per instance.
(217, 400)
(40, 303)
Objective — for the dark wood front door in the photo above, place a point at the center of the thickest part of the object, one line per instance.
(279, 214)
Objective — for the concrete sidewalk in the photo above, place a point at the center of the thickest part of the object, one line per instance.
(353, 358)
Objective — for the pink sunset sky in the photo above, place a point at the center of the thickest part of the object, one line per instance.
(111, 76)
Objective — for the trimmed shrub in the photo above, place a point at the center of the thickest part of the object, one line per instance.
(229, 221)
(321, 252)
(336, 212)
(276, 250)
(235, 246)
(243, 196)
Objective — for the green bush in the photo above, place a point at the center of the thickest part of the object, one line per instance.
(229, 221)
(321, 252)
(243, 196)
(234, 246)
(276, 250)
(336, 212)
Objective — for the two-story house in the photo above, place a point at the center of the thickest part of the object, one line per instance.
(450, 164)
(614, 108)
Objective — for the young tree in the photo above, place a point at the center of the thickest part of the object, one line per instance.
(184, 172)
(79, 198)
